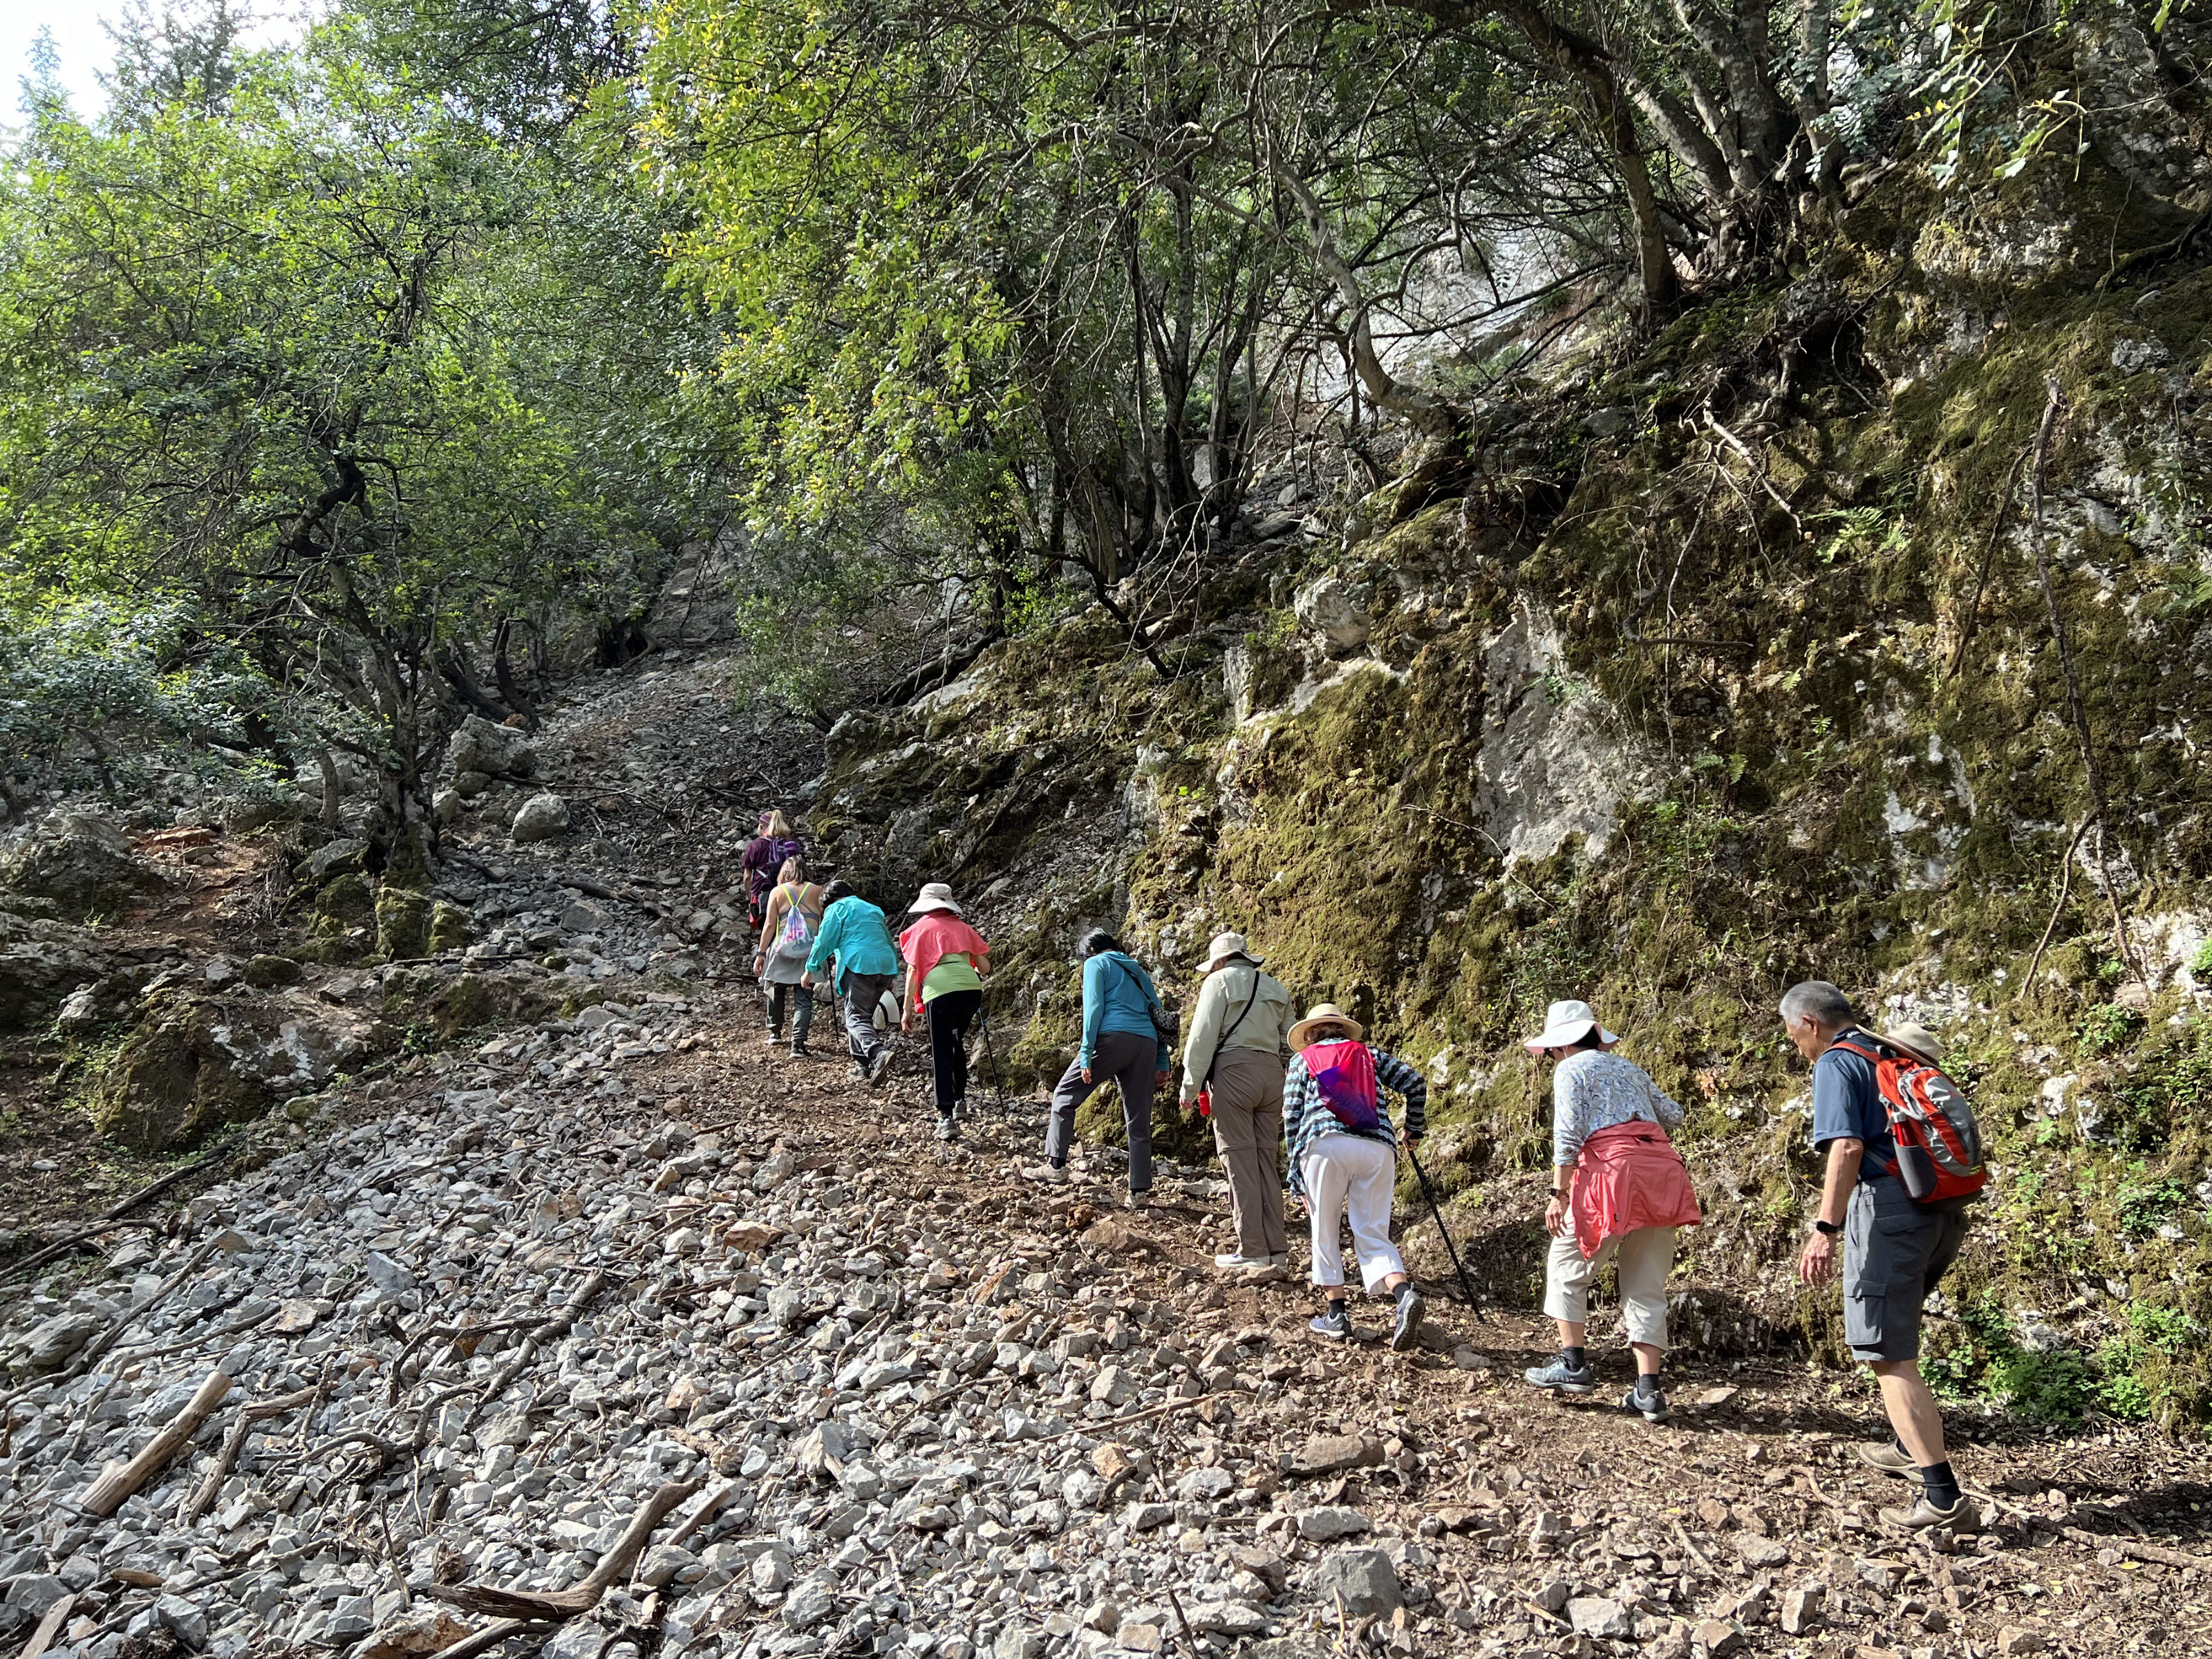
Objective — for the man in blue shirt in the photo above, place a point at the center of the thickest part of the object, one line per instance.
(1894, 1251)
(1122, 1044)
(855, 935)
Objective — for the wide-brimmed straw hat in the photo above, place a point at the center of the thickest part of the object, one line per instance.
(1566, 1024)
(1916, 1040)
(934, 896)
(1323, 1013)
(1226, 946)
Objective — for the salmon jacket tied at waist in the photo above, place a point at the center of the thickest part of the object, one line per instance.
(1630, 1176)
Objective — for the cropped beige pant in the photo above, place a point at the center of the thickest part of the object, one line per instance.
(1646, 1257)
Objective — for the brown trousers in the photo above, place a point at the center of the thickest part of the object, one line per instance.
(1247, 1132)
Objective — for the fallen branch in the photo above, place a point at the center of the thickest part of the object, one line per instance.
(1189, 1640)
(249, 1413)
(716, 1499)
(485, 1640)
(49, 1627)
(1989, 555)
(2065, 882)
(1696, 1554)
(106, 1495)
(1758, 472)
(107, 1339)
(111, 1218)
(1146, 1415)
(2138, 1550)
(593, 1283)
(554, 1605)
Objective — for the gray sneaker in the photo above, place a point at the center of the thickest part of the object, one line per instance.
(1651, 1406)
(1336, 1326)
(1890, 1461)
(1567, 1379)
(945, 1126)
(1407, 1329)
(880, 1064)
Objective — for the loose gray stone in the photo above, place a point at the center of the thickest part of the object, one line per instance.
(1364, 1579)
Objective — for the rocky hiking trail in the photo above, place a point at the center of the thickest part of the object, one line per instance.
(621, 1334)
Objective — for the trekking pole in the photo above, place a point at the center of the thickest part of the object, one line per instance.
(1466, 1286)
(991, 1053)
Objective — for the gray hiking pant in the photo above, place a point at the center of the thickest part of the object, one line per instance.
(863, 992)
(1128, 1059)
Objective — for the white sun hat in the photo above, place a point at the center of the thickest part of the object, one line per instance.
(1226, 946)
(934, 896)
(1566, 1024)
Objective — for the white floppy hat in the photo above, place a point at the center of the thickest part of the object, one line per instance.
(1566, 1024)
(934, 896)
(1226, 946)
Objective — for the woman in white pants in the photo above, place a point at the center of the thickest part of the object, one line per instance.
(1618, 1190)
(1343, 1157)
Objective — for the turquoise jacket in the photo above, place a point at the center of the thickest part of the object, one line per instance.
(854, 931)
(1118, 996)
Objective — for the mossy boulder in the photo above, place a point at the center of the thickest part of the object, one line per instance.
(403, 923)
(450, 1004)
(266, 972)
(452, 927)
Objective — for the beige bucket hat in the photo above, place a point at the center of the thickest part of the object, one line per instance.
(1226, 946)
(1566, 1024)
(1323, 1013)
(934, 896)
(1916, 1040)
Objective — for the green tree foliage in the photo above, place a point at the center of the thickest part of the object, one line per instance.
(318, 358)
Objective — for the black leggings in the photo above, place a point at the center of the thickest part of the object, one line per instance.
(950, 1014)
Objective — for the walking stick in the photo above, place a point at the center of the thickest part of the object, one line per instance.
(1466, 1286)
(990, 1054)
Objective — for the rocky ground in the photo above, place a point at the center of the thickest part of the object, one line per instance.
(618, 1331)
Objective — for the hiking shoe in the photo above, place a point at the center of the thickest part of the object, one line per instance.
(1336, 1325)
(1961, 1516)
(945, 1126)
(1567, 1379)
(798, 1051)
(860, 1073)
(959, 1112)
(771, 1039)
(1407, 1329)
(1235, 1263)
(1053, 1175)
(1140, 1198)
(1651, 1408)
(1890, 1461)
(880, 1064)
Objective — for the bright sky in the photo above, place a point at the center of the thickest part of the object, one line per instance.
(84, 46)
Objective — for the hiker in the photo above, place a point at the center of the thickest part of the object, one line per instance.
(793, 918)
(854, 936)
(945, 962)
(1343, 1161)
(1894, 1249)
(764, 856)
(1232, 1067)
(1618, 1190)
(1125, 1043)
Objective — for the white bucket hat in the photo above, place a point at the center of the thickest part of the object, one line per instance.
(1226, 946)
(934, 896)
(1566, 1024)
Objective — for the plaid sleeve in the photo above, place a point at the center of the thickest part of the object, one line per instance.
(1297, 1100)
(1400, 1078)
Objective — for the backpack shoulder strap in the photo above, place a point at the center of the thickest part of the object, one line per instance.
(1222, 1041)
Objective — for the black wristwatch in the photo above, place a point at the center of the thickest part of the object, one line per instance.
(1833, 1230)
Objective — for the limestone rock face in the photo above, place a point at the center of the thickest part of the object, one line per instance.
(1329, 610)
(1556, 760)
(85, 865)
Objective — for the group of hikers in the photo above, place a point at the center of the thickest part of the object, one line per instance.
(1296, 1105)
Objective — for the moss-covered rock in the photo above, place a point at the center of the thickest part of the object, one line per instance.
(452, 927)
(402, 921)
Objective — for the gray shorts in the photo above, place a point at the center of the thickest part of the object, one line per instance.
(1894, 1252)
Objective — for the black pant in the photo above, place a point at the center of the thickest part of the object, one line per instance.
(949, 1014)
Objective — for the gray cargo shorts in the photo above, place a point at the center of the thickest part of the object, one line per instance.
(1894, 1252)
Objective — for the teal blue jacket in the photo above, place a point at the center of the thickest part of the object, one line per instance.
(853, 931)
(1118, 996)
